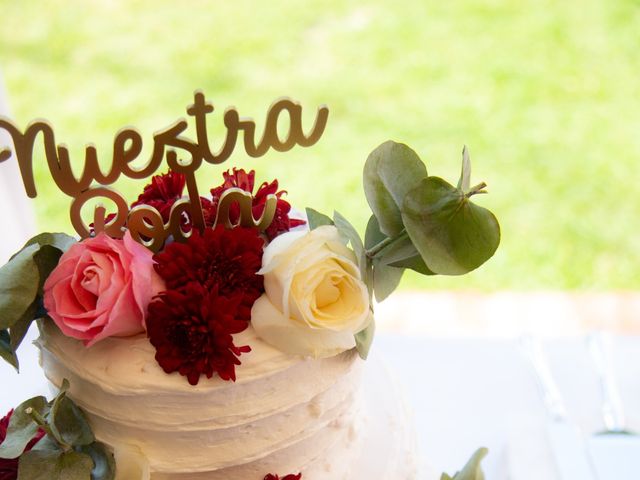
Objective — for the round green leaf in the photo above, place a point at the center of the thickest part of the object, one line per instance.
(385, 279)
(21, 427)
(61, 241)
(452, 235)
(364, 339)
(391, 170)
(373, 235)
(49, 465)
(68, 424)
(7, 352)
(19, 280)
(104, 465)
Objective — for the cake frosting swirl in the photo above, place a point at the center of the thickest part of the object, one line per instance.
(282, 410)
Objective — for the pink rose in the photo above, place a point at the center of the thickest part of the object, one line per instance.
(101, 288)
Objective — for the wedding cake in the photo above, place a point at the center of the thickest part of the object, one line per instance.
(222, 336)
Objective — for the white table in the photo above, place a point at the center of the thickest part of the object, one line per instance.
(465, 393)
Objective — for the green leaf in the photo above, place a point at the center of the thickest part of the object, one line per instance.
(47, 444)
(104, 465)
(364, 339)
(6, 351)
(21, 427)
(46, 260)
(61, 241)
(465, 175)
(19, 280)
(390, 172)
(49, 465)
(415, 263)
(317, 219)
(68, 423)
(349, 233)
(19, 329)
(372, 235)
(399, 249)
(472, 470)
(453, 235)
(385, 279)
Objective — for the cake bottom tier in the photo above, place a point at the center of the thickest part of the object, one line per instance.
(378, 442)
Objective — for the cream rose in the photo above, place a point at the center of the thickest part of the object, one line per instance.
(314, 301)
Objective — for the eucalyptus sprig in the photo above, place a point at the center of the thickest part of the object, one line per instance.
(68, 449)
(472, 470)
(419, 222)
(21, 282)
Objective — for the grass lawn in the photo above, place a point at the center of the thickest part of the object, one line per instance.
(545, 93)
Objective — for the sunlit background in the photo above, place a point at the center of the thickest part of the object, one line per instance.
(544, 93)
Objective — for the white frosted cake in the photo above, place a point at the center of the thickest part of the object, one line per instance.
(215, 336)
(283, 414)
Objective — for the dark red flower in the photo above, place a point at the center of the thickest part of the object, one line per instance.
(291, 476)
(162, 193)
(228, 259)
(191, 329)
(9, 466)
(241, 179)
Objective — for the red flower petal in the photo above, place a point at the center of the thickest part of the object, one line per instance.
(229, 259)
(212, 283)
(162, 192)
(192, 330)
(291, 476)
(240, 179)
(9, 466)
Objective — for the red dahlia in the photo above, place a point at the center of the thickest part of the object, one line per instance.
(246, 181)
(191, 329)
(162, 192)
(291, 476)
(9, 466)
(226, 259)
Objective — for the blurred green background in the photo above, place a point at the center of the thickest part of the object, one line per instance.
(545, 94)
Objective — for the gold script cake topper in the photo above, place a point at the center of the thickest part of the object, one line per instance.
(145, 222)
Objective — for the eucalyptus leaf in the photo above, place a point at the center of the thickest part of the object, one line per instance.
(48, 444)
(104, 465)
(453, 235)
(385, 279)
(49, 465)
(364, 339)
(390, 172)
(68, 423)
(349, 233)
(373, 235)
(46, 260)
(399, 249)
(22, 427)
(19, 329)
(61, 241)
(415, 263)
(472, 470)
(6, 352)
(19, 280)
(317, 219)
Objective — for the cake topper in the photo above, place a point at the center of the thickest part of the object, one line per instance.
(144, 222)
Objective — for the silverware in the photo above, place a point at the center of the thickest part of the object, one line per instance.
(567, 443)
(615, 451)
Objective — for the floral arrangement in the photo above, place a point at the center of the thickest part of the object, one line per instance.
(305, 284)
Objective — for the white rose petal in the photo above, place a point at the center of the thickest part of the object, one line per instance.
(314, 300)
(274, 328)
